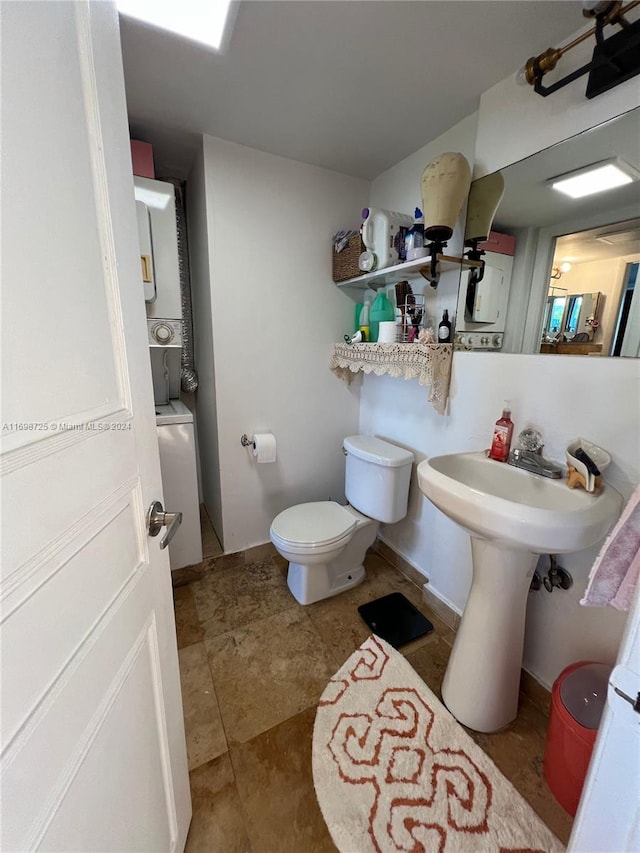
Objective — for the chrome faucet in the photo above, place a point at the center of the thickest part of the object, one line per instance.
(529, 456)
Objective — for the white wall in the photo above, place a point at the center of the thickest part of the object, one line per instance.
(565, 397)
(514, 122)
(399, 189)
(275, 314)
(205, 406)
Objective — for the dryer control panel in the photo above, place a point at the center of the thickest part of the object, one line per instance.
(478, 340)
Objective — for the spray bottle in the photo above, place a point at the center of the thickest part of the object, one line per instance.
(364, 319)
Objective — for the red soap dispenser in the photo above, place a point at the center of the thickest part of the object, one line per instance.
(502, 433)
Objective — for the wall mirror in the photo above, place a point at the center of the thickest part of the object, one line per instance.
(573, 285)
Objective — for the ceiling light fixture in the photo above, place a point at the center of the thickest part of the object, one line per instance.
(557, 272)
(595, 178)
(614, 59)
(205, 23)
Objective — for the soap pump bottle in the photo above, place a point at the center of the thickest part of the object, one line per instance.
(502, 433)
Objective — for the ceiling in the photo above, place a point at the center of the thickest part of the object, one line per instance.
(621, 240)
(349, 85)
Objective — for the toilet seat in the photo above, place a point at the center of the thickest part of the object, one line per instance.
(312, 525)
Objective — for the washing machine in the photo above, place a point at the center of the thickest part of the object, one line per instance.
(176, 441)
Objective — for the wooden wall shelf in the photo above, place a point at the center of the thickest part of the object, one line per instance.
(401, 272)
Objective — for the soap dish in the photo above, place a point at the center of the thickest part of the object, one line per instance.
(586, 478)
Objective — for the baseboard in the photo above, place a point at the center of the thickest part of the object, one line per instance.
(533, 689)
(398, 562)
(448, 615)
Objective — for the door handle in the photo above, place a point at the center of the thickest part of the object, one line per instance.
(157, 518)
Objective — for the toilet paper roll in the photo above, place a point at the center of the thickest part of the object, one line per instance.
(264, 447)
(387, 332)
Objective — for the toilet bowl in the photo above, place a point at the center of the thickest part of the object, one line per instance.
(326, 556)
(326, 543)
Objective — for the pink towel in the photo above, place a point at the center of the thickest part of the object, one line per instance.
(615, 572)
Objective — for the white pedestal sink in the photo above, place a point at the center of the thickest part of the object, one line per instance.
(512, 516)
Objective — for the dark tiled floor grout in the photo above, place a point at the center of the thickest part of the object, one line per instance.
(302, 647)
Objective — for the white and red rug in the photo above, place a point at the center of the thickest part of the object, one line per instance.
(394, 771)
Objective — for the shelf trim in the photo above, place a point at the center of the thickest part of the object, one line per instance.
(430, 364)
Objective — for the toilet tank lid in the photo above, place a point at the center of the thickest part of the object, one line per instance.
(376, 450)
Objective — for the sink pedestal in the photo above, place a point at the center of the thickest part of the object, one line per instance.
(482, 680)
(511, 516)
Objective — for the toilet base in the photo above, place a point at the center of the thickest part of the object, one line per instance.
(313, 583)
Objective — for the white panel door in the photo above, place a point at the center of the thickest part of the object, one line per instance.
(92, 741)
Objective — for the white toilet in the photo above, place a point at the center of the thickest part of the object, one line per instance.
(325, 543)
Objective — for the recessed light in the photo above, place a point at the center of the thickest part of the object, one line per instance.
(206, 23)
(596, 178)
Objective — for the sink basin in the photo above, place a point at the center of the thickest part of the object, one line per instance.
(512, 516)
(496, 501)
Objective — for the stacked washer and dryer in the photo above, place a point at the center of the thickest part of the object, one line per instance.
(156, 214)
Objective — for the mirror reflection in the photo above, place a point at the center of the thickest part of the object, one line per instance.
(561, 262)
(571, 323)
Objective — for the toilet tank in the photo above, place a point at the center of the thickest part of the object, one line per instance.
(377, 477)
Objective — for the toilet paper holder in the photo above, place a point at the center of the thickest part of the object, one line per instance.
(247, 442)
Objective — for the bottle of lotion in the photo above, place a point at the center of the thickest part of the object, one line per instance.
(444, 329)
(502, 433)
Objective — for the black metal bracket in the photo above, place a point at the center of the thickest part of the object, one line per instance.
(476, 274)
(435, 248)
(619, 54)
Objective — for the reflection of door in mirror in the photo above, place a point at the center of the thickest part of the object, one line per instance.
(573, 316)
(554, 316)
(626, 339)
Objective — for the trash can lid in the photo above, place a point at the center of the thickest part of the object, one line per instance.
(584, 693)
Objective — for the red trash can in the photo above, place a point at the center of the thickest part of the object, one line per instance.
(577, 701)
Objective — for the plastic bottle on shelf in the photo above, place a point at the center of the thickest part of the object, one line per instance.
(381, 310)
(502, 433)
(364, 319)
(414, 241)
(444, 329)
(383, 233)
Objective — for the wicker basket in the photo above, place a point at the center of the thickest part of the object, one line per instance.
(345, 263)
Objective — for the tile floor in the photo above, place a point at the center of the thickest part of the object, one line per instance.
(253, 665)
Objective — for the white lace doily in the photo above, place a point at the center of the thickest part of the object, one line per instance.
(430, 364)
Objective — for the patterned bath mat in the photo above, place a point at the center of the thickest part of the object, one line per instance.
(394, 771)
